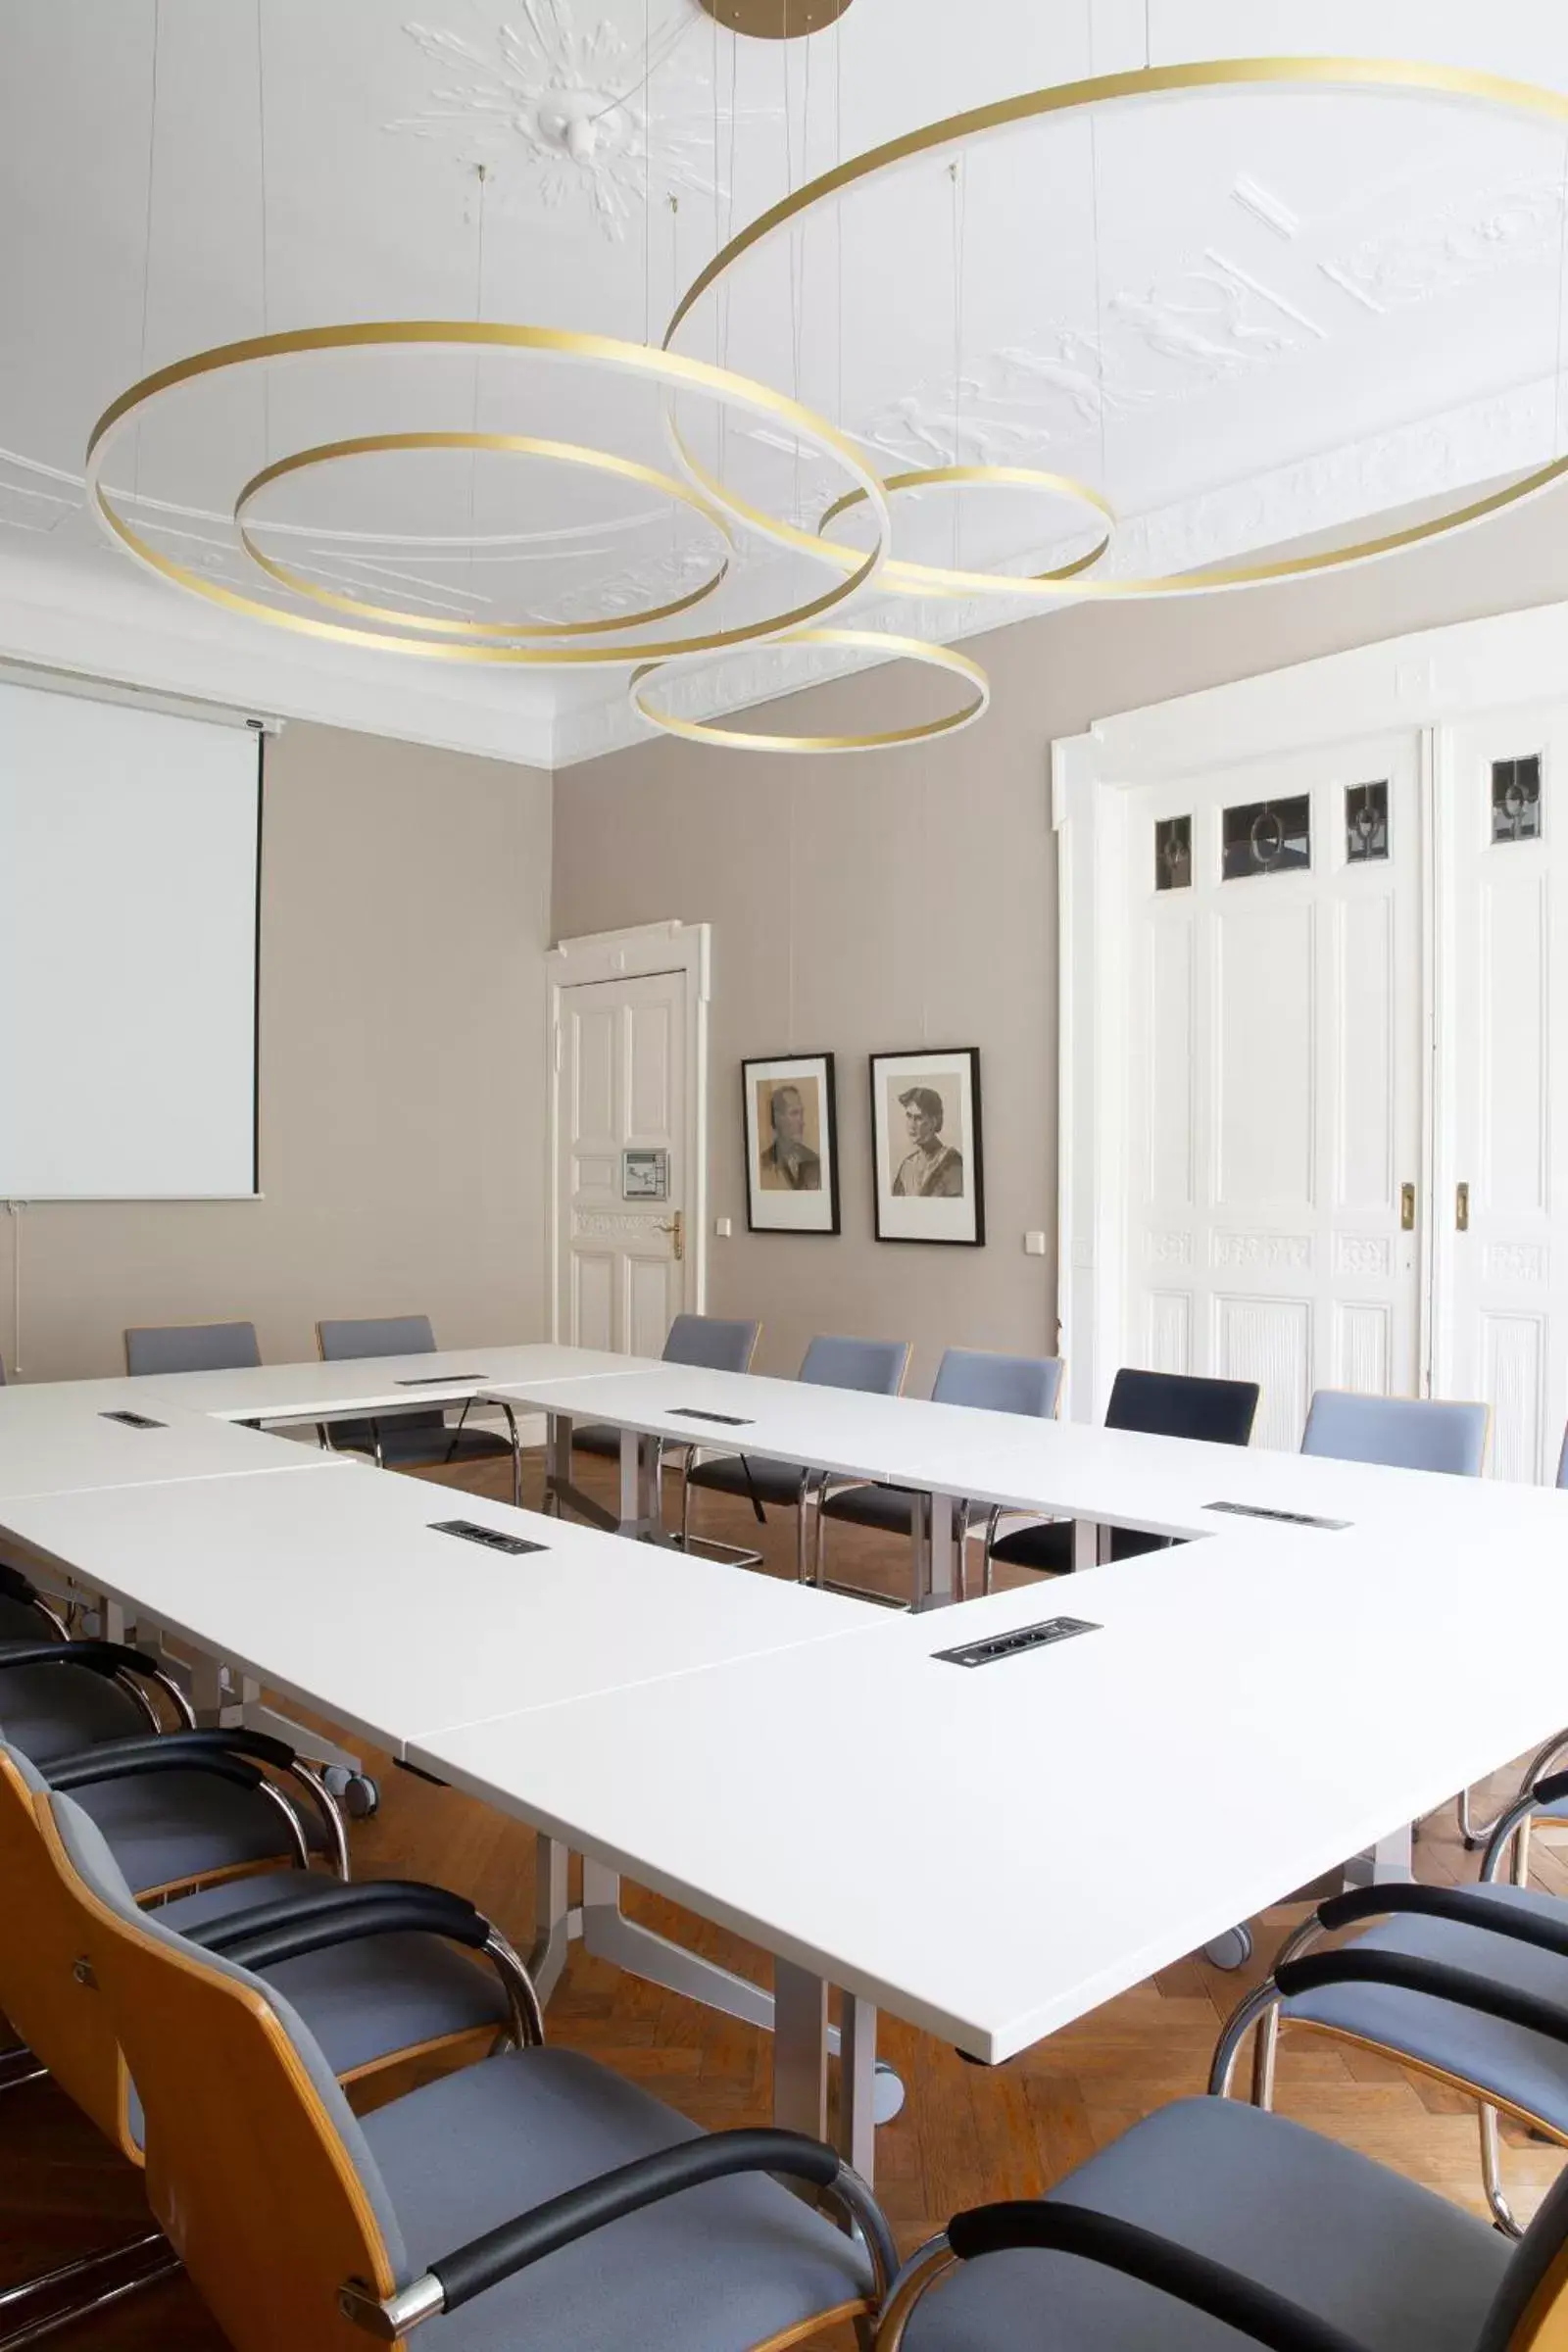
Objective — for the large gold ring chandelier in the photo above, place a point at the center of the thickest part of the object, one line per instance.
(1390, 74)
(542, 644)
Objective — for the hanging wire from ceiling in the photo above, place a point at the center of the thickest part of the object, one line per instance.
(147, 224)
(482, 174)
(260, 150)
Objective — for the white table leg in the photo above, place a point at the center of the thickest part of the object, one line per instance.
(939, 1580)
(552, 1915)
(857, 2074)
(1388, 1863)
(800, 2051)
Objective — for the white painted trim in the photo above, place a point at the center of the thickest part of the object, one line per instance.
(1427, 682)
(636, 954)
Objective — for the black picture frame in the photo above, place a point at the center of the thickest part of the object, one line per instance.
(944, 1219)
(774, 1204)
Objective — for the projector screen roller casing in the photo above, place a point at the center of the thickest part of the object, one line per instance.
(129, 860)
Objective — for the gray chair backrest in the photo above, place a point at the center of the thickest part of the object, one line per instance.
(1001, 1384)
(711, 1343)
(1402, 1432)
(192, 1348)
(876, 1366)
(375, 1334)
(378, 1334)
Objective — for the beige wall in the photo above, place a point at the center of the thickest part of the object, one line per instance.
(404, 915)
(910, 897)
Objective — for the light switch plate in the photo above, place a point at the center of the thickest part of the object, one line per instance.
(1034, 1245)
(723, 1227)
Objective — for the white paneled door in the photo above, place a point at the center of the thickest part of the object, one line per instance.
(1274, 1025)
(1502, 1256)
(621, 1178)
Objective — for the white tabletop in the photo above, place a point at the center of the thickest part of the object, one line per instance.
(1249, 1714)
(338, 1594)
(372, 1383)
(1163, 1484)
(68, 1445)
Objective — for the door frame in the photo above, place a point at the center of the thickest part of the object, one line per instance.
(1422, 684)
(639, 953)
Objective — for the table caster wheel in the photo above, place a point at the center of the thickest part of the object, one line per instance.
(1231, 1951)
(887, 2098)
(358, 1795)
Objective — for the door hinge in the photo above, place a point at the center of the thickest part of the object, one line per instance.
(1462, 1207)
(556, 1037)
(1407, 1209)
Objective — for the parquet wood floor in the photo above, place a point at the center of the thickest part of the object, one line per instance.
(965, 2133)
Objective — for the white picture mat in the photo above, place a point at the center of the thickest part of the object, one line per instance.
(915, 1219)
(128, 844)
(785, 1212)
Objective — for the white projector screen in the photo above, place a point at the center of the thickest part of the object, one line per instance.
(129, 856)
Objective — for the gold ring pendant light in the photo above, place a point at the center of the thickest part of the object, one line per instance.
(877, 641)
(1390, 75)
(671, 369)
(565, 453)
(931, 579)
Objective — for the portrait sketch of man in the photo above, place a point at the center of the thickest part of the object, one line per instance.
(931, 1168)
(788, 1162)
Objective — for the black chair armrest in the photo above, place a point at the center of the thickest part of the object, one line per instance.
(1173, 2270)
(501, 2253)
(320, 1897)
(257, 1943)
(1460, 1904)
(137, 1759)
(98, 1657)
(1461, 1985)
(1552, 1789)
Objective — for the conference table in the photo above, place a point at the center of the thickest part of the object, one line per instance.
(1277, 1696)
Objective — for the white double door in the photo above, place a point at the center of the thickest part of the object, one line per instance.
(621, 1180)
(1346, 979)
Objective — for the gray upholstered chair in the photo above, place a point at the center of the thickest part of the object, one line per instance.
(1209, 2227)
(1402, 1432)
(1163, 1405)
(713, 1342)
(192, 1348)
(407, 1988)
(1409, 1984)
(876, 1367)
(1030, 1385)
(417, 1439)
(534, 2198)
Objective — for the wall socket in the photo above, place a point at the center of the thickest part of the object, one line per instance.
(1034, 1245)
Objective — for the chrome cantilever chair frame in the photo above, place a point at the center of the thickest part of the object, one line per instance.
(1258, 2014)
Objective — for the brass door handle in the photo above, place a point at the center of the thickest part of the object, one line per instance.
(678, 1226)
(1407, 1209)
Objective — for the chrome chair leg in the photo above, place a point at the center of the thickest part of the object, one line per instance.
(163, 2262)
(1502, 2212)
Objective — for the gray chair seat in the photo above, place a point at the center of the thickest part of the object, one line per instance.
(732, 2264)
(50, 1711)
(1526, 2069)
(1396, 2268)
(887, 1507)
(769, 1482)
(595, 1437)
(402, 1444)
(361, 2000)
(177, 1826)
(1045, 1547)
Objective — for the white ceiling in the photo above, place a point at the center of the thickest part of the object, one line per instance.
(1247, 318)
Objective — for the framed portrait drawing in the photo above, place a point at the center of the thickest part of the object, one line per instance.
(792, 1145)
(929, 1176)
